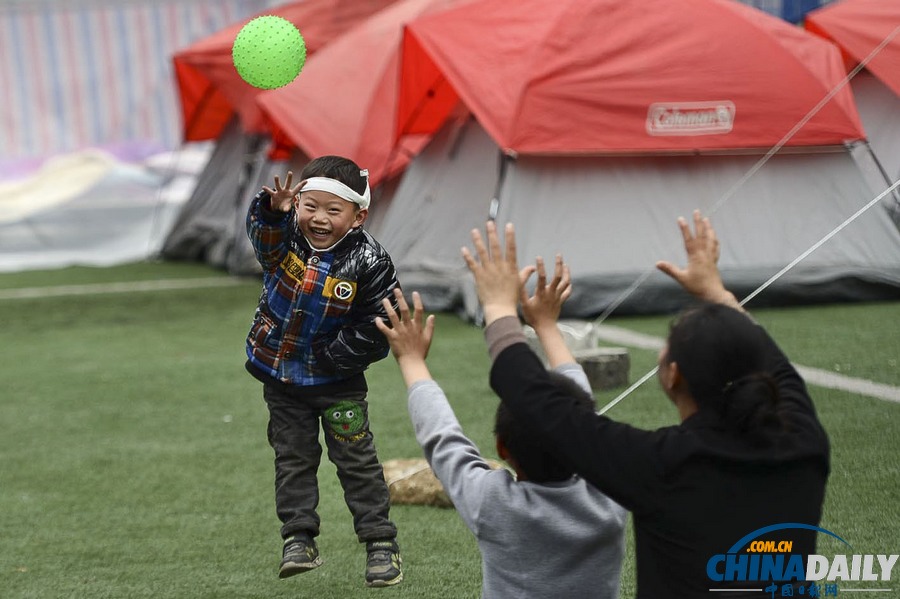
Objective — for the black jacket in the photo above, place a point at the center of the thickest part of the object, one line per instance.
(315, 321)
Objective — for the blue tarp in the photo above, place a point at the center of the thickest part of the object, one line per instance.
(789, 10)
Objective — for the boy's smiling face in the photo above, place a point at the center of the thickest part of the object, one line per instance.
(325, 218)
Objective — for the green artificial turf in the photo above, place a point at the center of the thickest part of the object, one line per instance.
(133, 458)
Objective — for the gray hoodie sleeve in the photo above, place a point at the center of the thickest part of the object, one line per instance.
(455, 460)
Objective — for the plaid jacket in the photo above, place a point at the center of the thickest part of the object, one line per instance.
(315, 322)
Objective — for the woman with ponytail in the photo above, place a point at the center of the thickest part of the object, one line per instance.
(720, 354)
(748, 453)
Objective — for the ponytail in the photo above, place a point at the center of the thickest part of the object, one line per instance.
(749, 405)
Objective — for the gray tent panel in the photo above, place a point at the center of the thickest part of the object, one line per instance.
(211, 226)
(445, 193)
(613, 218)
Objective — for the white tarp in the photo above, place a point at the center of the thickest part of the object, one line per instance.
(89, 208)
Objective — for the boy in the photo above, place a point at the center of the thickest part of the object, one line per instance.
(544, 532)
(313, 335)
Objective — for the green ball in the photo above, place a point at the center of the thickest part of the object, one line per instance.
(268, 52)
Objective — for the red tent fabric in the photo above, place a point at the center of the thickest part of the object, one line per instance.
(575, 77)
(209, 87)
(344, 101)
(858, 27)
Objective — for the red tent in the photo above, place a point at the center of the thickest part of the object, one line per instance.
(608, 76)
(859, 27)
(345, 100)
(211, 90)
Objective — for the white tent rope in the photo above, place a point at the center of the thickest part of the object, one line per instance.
(771, 280)
(759, 164)
(819, 243)
(628, 391)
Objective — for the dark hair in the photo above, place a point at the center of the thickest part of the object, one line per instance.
(721, 354)
(336, 167)
(526, 448)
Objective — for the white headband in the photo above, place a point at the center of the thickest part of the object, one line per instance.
(339, 189)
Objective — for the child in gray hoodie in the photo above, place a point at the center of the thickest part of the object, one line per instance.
(542, 532)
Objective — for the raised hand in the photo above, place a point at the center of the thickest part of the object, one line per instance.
(497, 277)
(701, 276)
(409, 335)
(543, 307)
(282, 196)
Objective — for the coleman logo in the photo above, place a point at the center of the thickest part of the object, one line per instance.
(690, 118)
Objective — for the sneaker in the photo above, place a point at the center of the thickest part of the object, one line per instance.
(300, 555)
(383, 563)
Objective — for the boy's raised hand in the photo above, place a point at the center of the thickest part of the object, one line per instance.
(497, 277)
(543, 307)
(282, 197)
(409, 335)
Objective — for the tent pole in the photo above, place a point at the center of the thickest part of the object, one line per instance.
(251, 171)
(505, 159)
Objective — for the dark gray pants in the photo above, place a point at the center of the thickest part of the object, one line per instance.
(294, 436)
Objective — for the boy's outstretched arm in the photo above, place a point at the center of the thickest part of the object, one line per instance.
(542, 309)
(455, 460)
(409, 336)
